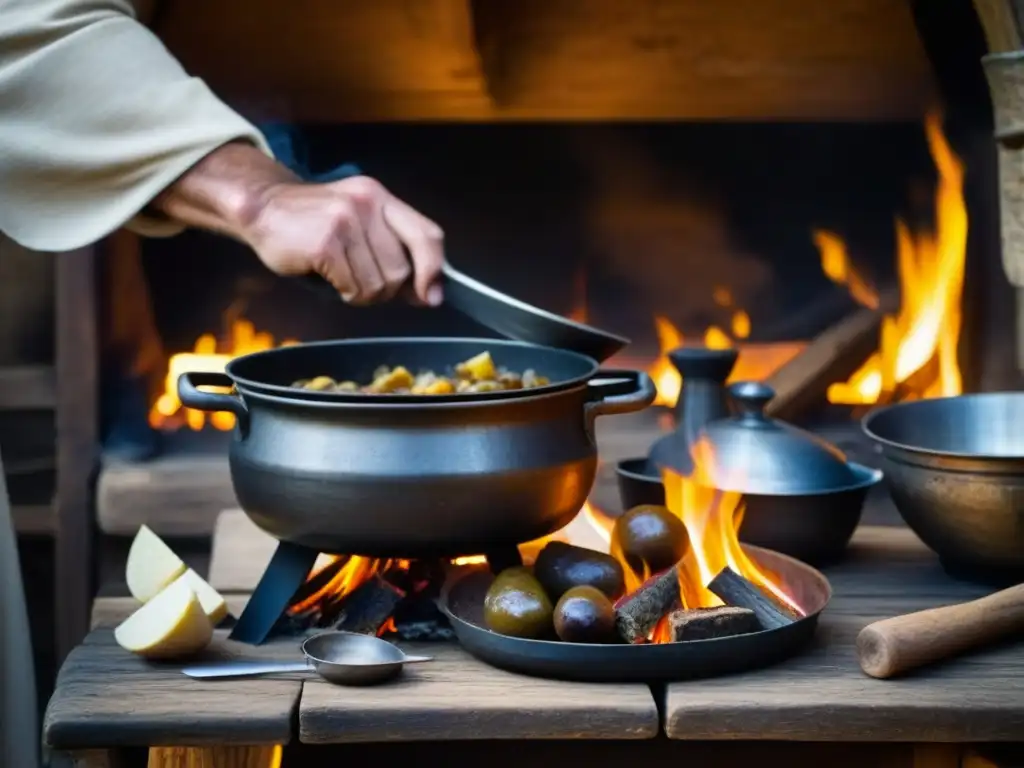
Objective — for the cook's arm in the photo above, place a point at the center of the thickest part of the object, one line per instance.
(96, 119)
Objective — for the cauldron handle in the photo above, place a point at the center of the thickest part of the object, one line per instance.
(192, 397)
(640, 396)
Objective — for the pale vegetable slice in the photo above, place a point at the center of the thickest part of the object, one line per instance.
(152, 565)
(214, 605)
(172, 624)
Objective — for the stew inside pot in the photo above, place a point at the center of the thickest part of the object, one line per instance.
(478, 374)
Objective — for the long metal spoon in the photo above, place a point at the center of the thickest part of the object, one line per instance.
(512, 318)
(343, 658)
(518, 320)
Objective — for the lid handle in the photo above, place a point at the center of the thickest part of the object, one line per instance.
(751, 397)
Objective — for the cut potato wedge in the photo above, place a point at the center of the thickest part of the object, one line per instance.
(152, 565)
(213, 602)
(170, 625)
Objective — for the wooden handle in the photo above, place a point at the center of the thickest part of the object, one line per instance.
(893, 646)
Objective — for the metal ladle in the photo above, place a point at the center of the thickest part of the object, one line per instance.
(342, 658)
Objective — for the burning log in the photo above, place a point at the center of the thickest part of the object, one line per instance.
(736, 591)
(417, 617)
(637, 613)
(368, 607)
(710, 623)
(832, 356)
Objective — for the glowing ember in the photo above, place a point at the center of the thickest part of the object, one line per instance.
(918, 352)
(356, 570)
(209, 355)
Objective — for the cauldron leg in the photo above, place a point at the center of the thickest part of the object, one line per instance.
(500, 559)
(286, 572)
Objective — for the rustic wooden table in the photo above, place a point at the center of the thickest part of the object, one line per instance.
(813, 709)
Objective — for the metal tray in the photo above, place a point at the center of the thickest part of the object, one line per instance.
(463, 599)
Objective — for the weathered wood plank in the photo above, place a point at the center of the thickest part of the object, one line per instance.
(344, 61)
(175, 495)
(240, 553)
(25, 387)
(34, 519)
(107, 697)
(822, 695)
(77, 420)
(456, 697)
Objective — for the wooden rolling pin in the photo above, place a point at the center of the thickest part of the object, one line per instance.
(893, 646)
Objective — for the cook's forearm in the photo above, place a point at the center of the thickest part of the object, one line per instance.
(223, 191)
(96, 119)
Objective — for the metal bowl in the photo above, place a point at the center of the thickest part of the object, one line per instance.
(814, 527)
(955, 468)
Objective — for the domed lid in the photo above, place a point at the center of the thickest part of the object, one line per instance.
(754, 453)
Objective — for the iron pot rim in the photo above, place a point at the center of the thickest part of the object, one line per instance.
(295, 394)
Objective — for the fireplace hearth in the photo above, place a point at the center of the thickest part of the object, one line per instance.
(732, 230)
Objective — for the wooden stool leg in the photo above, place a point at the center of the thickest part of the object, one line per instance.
(215, 757)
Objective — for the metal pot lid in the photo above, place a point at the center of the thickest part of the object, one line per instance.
(754, 453)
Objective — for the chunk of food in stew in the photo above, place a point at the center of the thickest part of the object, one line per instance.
(478, 374)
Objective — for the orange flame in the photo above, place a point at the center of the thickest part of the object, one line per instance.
(357, 569)
(208, 355)
(712, 519)
(918, 350)
(756, 361)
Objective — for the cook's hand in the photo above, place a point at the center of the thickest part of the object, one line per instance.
(362, 239)
(353, 232)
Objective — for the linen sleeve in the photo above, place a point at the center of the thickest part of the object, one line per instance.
(96, 119)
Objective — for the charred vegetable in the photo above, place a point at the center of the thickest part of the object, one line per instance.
(585, 615)
(478, 374)
(560, 567)
(517, 605)
(651, 536)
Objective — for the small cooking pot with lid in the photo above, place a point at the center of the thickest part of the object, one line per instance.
(756, 454)
(802, 497)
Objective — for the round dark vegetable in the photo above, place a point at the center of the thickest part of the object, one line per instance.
(560, 567)
(585, 615)
(651, 535)
(517, 605)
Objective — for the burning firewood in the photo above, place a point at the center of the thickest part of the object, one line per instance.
(710, 623)
(736, 591)
(367, 607)
(832, 356)
(639, 612)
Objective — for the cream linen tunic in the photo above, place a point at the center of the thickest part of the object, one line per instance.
(96, 118)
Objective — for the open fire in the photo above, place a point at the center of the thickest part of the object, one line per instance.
(917, 357)
(385, 597)
(209, 355)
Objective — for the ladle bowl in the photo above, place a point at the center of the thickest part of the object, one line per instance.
(342, 658)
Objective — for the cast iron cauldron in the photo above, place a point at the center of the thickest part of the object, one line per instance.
(394, 476)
